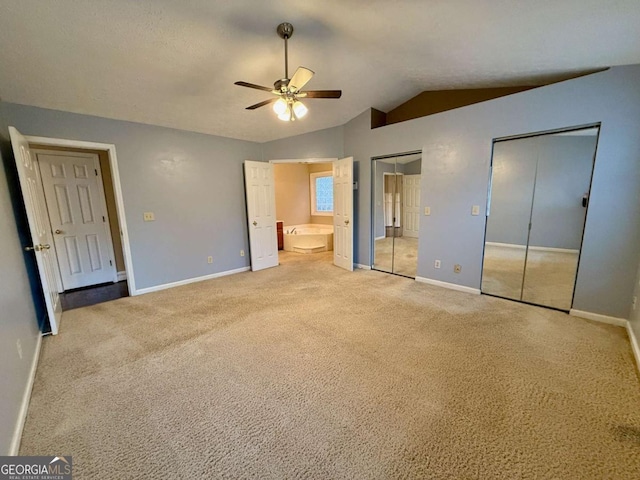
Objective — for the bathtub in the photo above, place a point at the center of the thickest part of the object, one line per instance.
(308, 238)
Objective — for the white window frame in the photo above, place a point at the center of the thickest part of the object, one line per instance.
(312, 192)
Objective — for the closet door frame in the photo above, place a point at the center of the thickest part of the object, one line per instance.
(597, 125)
(395, 173)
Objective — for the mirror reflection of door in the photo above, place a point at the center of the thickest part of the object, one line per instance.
(396, 213)
(538, 203)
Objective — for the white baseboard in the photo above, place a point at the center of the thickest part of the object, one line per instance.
(597, 317)
(24, 408)
(381, 238)
(557, 250)
(532, 247)
(362, 267)
(142, 291)
(635, 346)
(450, 286)
(122, 276)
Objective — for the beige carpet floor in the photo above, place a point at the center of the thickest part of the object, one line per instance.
(309, 371)
(397, 255)
(549, 278)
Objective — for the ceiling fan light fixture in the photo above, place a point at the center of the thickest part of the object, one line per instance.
(286, 116)
(299, 109)
(280, 107)
(288, 108)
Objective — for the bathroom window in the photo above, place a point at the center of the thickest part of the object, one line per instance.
(321, 193)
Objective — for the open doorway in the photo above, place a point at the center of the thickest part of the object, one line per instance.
(77, 185)
(262, 221)
(304, 206)
(41, 242)
(79, 197)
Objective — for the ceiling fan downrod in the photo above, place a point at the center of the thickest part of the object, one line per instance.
(285, 30)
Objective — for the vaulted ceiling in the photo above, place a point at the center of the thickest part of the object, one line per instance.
(173, 62)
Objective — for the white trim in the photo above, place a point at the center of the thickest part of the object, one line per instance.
(381, 237)
(450, 286)
(635, 346)
(304, 160)
(191, 280)
(122, 276)
(117, 190)
(362, 267)
(597, 317)
(26, 398)
(537, 249)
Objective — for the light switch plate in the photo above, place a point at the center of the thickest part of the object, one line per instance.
(427, 210)
(148, 216)
(475, 210)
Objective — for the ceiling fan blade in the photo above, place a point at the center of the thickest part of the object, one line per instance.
(262, 104)
(253, 85)
(300, 78)
(321, 94)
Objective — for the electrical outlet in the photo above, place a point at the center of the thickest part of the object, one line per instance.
(436, 264)
(635, 302)
(209, 259)
(19, 347)
(242, 253)
(475, 210)
(427, 210)
(148, 216)
(457, 268)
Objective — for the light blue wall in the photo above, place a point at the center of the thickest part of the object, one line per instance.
(327, 143)
(17, 312)
(456, 149)
(192, 182)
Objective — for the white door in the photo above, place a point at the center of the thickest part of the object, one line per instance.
(411, 196)
(343, 213)
(78, 217)
(261, 214)
(38, 225)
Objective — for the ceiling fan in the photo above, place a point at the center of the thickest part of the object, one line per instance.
(287, 105)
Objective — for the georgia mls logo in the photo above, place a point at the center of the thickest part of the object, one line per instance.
(36, 468)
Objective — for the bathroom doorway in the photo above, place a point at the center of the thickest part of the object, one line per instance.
(304, 207)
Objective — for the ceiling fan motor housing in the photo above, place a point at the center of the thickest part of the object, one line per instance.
(285, 30)
(281, 85)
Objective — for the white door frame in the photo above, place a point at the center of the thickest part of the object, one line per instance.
(117, 190)
(304, 160)
(103, 205)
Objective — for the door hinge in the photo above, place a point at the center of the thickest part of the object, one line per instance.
(103, 219)
(96, 170)
(110, 263)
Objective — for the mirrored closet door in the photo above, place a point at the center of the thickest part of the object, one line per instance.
(396, 213)
(537, 209)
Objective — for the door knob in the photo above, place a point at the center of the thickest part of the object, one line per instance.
(255, 224)
(346, 222)
(38, 248)
(58, 232)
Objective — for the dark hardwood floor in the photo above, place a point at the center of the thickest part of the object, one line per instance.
(83, 297)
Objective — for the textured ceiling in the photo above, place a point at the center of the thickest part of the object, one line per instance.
(173, 63)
